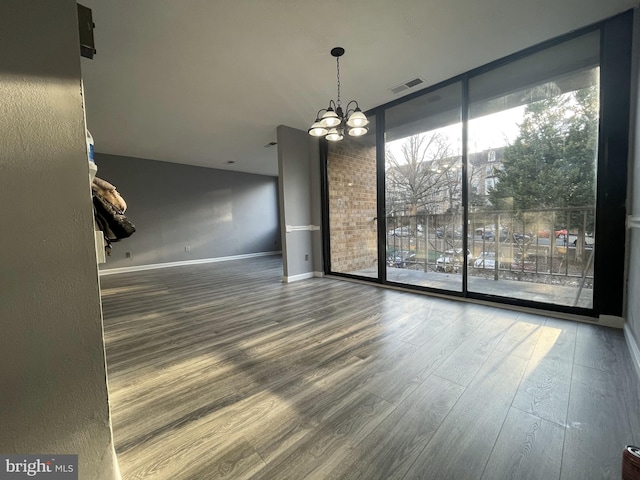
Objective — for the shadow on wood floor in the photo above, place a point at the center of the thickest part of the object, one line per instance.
(222, 371)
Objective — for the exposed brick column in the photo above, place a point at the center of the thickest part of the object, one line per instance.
(352, 205)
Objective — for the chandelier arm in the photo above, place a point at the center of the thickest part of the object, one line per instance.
(350, 111)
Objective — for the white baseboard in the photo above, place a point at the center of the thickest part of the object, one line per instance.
(139, 268)
(611, 321)
(295, 278)
(318, 274)
(633, 348)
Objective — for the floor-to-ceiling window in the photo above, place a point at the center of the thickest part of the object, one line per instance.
(423, 190)
(532, 154)
(505, 183)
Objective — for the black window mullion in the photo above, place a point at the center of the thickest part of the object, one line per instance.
(465, 183)
(380, 186)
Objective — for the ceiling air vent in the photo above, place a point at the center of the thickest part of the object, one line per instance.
(406, 85)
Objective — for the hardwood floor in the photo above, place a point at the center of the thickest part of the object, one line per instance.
(219, 371)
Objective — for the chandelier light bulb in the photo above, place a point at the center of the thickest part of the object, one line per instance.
(357, 131)
(330, 119)
(357, 119)
(317, 130)
(334, 135)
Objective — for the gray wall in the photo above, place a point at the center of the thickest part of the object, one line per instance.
(633, 287)
(215, 213)
(53, 388)
(315, 192)
(299, 187)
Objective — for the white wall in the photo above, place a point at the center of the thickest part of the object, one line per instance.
(633, 287)
(53, 389)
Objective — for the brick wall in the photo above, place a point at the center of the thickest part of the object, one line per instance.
(351, 170)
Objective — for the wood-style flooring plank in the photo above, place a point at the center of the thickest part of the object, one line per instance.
(528, 448)
(304, 409)
(398, 383)
(597, 426)
(223, 371)
(462, 444)
(463, 363)
(522, 337)
(430, 322)
(321, 450)
(597, 347)
(631, 393)
(545, 388)
(606, 349)
(392, 447)
(232, 461)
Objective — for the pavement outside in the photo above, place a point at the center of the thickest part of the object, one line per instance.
(562, 291)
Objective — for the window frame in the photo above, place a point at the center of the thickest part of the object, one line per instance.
(613, 144)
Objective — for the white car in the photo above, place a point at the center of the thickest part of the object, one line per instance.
(486, 260)
(400, 232)
(451, 261)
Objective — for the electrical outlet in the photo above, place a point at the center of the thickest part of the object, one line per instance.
(187, 249)
(306, 257)
(127, 255)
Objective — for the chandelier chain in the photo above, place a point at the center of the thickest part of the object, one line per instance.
(338, 76)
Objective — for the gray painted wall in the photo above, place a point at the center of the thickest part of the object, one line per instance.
(315, 192)
(633, 287)
(299, 177)
(214, 213)
(53, 387)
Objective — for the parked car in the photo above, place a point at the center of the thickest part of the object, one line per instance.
(400, 232)
(401, 259)
(546, 233)
(451, 260)
(521, 237)
(487, 260)
(448, 232)
(488, 233)
(484, 232)
(526, 265)
(589, 240)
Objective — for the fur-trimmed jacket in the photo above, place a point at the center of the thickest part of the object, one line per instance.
(109, 193)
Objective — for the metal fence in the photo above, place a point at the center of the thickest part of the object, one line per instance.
(537, 245)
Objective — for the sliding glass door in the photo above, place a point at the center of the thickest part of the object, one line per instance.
(423, 190)
(533, 144)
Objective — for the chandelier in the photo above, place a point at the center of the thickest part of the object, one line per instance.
(334, 121)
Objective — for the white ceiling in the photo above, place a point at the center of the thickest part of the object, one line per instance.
(206, 82)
